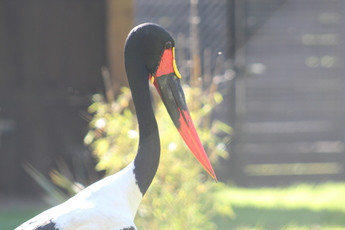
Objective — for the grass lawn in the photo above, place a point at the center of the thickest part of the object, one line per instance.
(13, 218)
(300, 207)
(297, 207)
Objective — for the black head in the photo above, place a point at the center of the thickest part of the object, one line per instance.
(145, 44)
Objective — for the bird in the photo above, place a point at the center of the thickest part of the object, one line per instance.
(112, 202)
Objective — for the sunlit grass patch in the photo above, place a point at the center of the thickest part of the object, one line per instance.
(297, 207)
(327, 196)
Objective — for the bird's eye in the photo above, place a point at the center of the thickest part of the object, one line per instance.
(168, 45)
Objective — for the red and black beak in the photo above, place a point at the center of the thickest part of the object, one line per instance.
(167, 82)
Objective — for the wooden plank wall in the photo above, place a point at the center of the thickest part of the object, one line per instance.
(291, 95)
(51, 53)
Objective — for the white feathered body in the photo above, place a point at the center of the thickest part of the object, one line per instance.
(110, 203)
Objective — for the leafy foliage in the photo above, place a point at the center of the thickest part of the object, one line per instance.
(182, 194)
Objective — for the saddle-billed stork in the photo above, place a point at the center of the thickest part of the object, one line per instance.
(112, 202)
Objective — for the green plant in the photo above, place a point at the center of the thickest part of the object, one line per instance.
(181, 195)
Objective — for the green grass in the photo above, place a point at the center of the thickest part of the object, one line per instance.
(13, 218)
(275, 218)
(300, 207)
(297, 207)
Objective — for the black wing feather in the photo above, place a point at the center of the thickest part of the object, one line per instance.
(129, 228)
(36, 225)
(47, 226)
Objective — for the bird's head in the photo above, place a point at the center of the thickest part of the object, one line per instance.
(147, 43)
(152, 48)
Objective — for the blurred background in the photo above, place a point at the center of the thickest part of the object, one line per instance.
(279, 65)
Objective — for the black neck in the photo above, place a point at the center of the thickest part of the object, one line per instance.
(147, 159)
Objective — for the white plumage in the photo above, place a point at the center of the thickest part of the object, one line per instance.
(110, 203)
